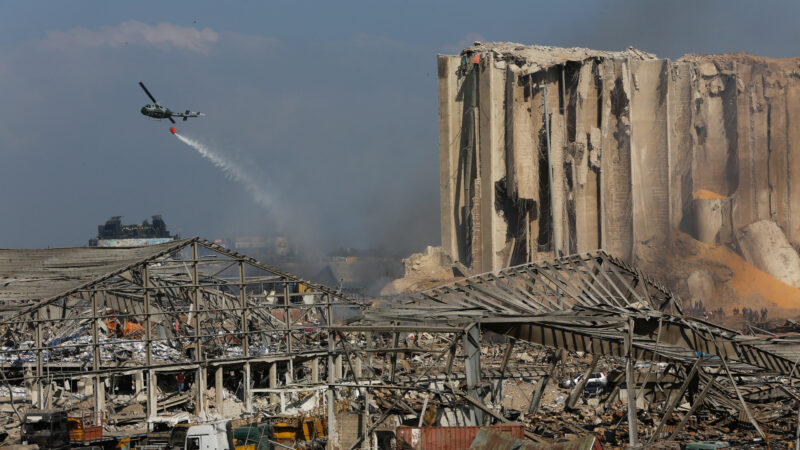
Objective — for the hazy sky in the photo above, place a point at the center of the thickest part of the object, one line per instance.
(330, 107)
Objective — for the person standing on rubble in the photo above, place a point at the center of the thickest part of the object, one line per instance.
(180, 378)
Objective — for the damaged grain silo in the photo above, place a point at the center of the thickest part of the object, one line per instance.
(549, 151)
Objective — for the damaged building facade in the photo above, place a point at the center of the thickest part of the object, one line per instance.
(552, 151)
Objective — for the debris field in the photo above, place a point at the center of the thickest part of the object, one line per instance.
(617, 270)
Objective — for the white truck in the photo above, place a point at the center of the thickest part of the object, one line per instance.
(210, 436)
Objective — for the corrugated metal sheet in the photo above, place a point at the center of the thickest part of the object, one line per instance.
(448, 438)
(489, 439)
(30, 275)
(132, 242)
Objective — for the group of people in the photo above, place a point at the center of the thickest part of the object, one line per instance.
(698, 309)
(751, 315)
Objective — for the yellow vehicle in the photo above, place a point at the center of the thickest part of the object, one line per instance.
(288, 430)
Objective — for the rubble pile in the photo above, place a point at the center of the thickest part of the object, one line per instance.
(569, 347)
(138, 334)
(582, 345)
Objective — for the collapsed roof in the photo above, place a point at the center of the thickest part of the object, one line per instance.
(194, 304)
(587, 303)
(33, 275)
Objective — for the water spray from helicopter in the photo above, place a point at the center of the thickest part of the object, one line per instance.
(231, 170)
(253, 184)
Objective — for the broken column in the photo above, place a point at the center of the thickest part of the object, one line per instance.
(712, 218)
(200, 391)
(315, 370)
(218, 391)
(152, 394)
(273, 382)
(247, 392)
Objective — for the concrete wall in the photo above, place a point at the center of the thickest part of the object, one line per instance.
(632, 137)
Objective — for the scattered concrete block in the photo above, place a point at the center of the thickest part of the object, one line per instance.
(764, 245)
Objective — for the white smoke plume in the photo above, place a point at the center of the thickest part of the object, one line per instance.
(232, 171)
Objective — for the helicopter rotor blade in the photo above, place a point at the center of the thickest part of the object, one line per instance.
(148, 93)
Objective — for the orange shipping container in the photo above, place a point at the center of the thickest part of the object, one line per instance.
(448, 438)
(86, 427)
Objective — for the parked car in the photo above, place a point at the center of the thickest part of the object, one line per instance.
(599, 377)
(593, 388)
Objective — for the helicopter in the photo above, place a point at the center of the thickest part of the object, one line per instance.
(159, 112)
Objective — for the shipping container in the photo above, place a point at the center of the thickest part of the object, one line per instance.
(87, 427)
(448, 438)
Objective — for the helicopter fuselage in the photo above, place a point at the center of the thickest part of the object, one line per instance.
(157, 112)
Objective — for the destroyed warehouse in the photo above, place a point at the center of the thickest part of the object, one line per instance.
(589, 200)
